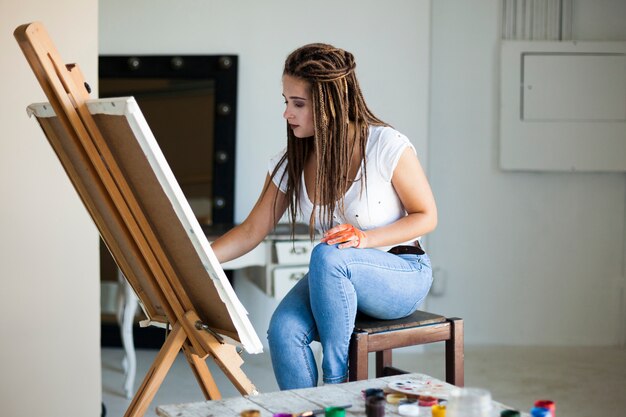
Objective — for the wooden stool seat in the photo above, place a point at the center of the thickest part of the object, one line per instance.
(381, 336)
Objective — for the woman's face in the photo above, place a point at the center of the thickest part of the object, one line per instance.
(298, 106)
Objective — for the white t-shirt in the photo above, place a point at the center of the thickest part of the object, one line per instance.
(377, 205)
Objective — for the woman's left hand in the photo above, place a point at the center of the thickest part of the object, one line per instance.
(346, 235)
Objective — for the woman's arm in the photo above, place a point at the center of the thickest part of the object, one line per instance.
(260, 222)
(411, 184)
(414, 192)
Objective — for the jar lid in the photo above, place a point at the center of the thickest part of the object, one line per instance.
(539, 412)
(549, 404)
(395, 398)
(334, 412)
(408, 409)
(439, 410)
(424, 401)
(370, 392)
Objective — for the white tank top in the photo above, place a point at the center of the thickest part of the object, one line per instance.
(378, 204)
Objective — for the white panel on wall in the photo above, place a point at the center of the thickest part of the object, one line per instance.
(574, 87)
(563, 106)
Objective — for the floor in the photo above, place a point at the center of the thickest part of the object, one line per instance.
(584, 382)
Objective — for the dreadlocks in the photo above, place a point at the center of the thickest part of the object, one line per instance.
(337, 101)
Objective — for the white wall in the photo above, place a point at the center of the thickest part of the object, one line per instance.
(390, 45)
(49, 279)
(524, 258)
(529, 258)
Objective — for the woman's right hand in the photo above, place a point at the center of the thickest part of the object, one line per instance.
(346, 235)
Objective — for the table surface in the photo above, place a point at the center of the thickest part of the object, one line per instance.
(302, 400)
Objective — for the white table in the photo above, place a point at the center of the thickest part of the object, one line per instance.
(299, 401)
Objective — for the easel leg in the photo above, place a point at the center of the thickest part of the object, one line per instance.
(225, 355)
(230, 362)
(202, 373)
(157, 372)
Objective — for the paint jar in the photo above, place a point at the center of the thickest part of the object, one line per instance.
(549, 404)
(395, 398)
(373, 392)
(375, 406)
(438, 410)
(334, 412)
(425, 401)
(469, 402)
(539, 412)
(510, 413)
(250, 413)
(408, 409)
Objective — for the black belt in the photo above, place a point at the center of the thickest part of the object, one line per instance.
(406, 249)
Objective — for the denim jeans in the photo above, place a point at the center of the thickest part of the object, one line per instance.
(322, 307)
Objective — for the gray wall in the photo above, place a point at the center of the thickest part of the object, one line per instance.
(525, 258)
(391, 45)
(49, 280)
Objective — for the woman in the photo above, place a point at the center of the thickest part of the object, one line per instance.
(359, 185)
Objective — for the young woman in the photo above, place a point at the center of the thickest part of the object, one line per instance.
(360, 186)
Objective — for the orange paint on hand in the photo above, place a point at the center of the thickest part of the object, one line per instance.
(346, 235)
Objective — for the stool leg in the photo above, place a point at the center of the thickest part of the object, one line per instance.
(358, 357)
(455, 373)
(383, 361)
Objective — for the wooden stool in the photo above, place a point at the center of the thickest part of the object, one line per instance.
(381, 336)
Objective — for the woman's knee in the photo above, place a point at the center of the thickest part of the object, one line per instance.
(277, 329)
(327, 257)
(285, 328)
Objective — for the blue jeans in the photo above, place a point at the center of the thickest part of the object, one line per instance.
(322, 307)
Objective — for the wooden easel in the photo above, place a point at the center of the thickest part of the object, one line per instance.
(126, 227)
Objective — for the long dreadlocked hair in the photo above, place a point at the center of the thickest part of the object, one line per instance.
(337, 100)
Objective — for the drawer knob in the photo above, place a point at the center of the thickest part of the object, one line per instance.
(298, 250)
(296, 276)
